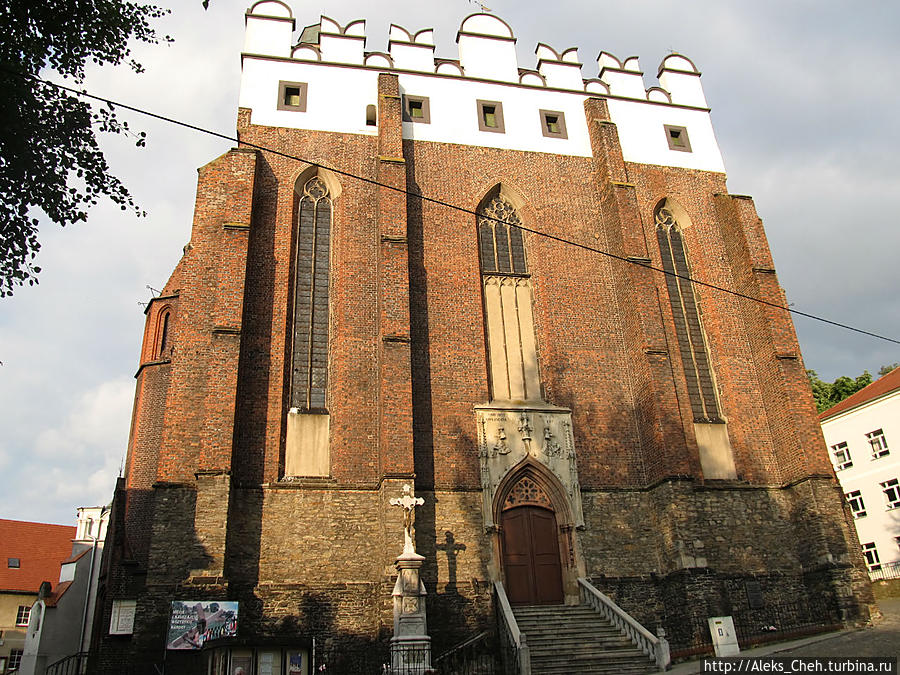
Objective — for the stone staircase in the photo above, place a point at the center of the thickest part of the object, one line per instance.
(569, 640)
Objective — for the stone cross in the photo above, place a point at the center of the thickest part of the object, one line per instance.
(407, 502)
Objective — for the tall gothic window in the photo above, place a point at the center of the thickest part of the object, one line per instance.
(309, 374)
(688, 330)
(508, 300)
(500, 243)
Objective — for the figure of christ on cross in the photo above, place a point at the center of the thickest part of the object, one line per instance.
(407, 502)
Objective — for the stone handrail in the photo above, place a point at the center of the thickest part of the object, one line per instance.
(651, 645)
(509, 630)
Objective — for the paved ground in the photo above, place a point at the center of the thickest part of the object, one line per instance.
(882, 639)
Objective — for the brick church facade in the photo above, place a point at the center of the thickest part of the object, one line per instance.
(332, 334)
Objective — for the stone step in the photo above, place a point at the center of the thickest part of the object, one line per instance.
(570, 640)
(576, 643)
(563, 668)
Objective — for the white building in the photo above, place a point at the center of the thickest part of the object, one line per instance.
(61, 620)
(863, 436)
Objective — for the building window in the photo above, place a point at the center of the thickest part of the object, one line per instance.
(873, 562)
(878, 442)
(371, 115)
(15, 659)
(553, 124)
(686, 315)
(13, 563)
(490, 116)
(841, 456)
(500, 238)
(311, 296)
(164, 334)
(292, 96)
(416, 109)
(22, 615)
(855, 500)
(891, 490)
(677, 138)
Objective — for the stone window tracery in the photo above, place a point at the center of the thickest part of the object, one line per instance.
(309, 368)
(686, 315)
(500, 243)
(527, 492)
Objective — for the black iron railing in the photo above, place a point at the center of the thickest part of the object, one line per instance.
(690, 636)
(76, 664)
(476, 656)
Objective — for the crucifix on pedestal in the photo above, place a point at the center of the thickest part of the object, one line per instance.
(411, 645)
(407, 502)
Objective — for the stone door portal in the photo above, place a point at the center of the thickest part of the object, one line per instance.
(531, 564)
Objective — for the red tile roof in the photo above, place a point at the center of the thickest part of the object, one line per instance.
(54, 597)
(883, 385)
(40, 548)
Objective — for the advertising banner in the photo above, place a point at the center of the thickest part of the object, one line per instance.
(193, 622)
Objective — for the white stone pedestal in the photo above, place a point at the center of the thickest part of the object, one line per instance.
(411, 645)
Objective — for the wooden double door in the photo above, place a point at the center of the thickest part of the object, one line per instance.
(531, 562)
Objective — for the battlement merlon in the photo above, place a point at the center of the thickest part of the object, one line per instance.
(331, 63)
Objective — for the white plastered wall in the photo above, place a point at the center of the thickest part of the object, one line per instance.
(879, 525)
(338, 94)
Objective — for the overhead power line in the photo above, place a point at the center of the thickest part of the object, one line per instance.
(433, 200)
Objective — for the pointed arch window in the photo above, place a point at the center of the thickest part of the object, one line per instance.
(500, 243)
(688, 329)
(508, 300)
(309, 368)
(164, 334)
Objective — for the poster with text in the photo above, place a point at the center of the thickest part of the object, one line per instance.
(193, 622)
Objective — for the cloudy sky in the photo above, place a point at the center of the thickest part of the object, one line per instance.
(803, 97)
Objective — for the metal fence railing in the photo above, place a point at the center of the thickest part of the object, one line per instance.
(76, 664)
(476, 656)
(690, 636)
(885, 571)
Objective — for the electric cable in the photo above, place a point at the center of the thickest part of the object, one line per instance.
(433, 200)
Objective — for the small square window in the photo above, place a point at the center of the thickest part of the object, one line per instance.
(292, 96)
(855, 500)
(677, 138)
(891, 490)
(878, 442)
(416, 109)
(22, 615)
(13, 563)
(841, 456)
(873, 562)
(490, 116)
(553, 124)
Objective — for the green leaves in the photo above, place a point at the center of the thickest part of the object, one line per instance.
(50, 160)
(828, 394)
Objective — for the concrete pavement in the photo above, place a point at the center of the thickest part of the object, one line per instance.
(881, 639)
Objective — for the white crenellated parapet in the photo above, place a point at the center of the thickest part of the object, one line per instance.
(624, 78)
(412, 51)
(680, 77)
(270, 24)
(342, 44)
(666, 124)
(487, 48)
(562, 71)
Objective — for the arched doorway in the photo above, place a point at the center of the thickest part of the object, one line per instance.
(530, 546)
